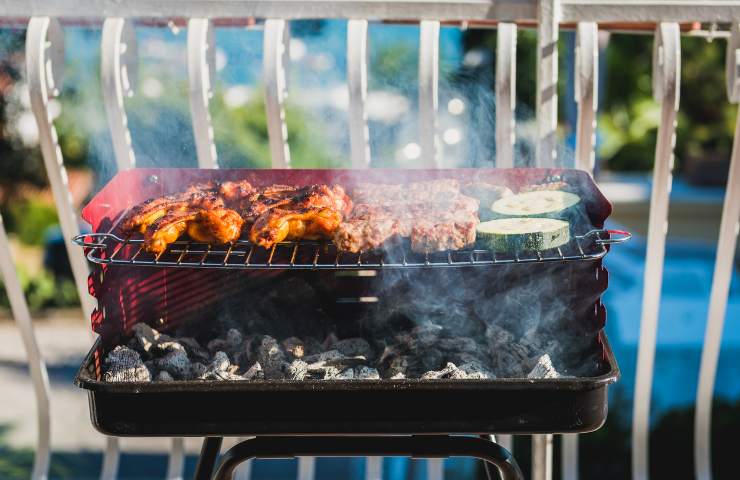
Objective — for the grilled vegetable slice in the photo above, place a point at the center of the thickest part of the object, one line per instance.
(548, 203)
(508, 235)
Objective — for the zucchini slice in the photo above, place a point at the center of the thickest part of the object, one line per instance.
(509, 235)
(547, 203)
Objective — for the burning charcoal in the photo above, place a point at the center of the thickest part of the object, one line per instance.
(477, 370)
(450, 371)
(148, 338)
(543, 368)
(219, 363)
(329, 341)
(164, 377)
(398, 376)
(217, 344)
(324, 357)
(125, 365)
(421, 336)
(311, 346)
(234, 339)
(347, 374)
(199, 370)
(510, 359)
(255, 372)
(294, 346)
(354, 347)
(271, 357)
(169, 346)
(194, 350)
(497, 336)
(222, 375)
(366, 373)
(459, 344)
(296, 370)
(177, 364)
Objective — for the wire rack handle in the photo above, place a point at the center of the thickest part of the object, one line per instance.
(82, 240)
(615, 236)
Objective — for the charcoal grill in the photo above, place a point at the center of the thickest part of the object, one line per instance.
(190, 279)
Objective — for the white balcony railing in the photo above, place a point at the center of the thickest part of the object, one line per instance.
(44, 54)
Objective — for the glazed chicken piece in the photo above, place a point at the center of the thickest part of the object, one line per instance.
(201, 196)
(312, 213)
(166, 230)
(217, 226)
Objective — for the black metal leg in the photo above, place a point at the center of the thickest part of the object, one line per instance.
(207, 460)
(419, 446)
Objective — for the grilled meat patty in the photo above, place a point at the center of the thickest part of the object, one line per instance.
(434, 215)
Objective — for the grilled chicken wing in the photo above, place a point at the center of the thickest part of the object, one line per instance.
(311, 213)
(218, 226)
(279, 225)
(199, 196)
(166, 230)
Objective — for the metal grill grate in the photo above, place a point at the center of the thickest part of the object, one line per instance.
(107, 248)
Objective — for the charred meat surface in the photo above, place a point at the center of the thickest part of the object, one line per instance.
(434, 215)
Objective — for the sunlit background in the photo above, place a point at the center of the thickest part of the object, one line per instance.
(317, 120)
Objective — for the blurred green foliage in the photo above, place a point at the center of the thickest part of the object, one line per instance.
(43, 290)
(30, 219)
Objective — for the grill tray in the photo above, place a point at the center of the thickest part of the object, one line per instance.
(109, 249)
(280, 407)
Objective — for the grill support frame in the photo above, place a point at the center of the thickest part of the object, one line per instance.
(499, 461)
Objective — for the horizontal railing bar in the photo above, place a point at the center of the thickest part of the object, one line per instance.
(504, 10)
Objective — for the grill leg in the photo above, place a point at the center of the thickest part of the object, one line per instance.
(208, 455)
(502, 463)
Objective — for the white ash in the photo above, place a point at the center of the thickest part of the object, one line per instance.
(296, 370)
(543, 368)
(255, 372)
(125, 365)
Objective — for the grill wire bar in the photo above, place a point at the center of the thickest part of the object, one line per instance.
(109, 249)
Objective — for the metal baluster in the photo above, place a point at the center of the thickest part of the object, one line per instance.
(201, 78)
(505, 94)
(548, 17)
(666, 89)
(275, 51)
(586, 89)
(359, 135)
(44, 68)
(306, 468)
(36, 365)
(728, 232)
(586, 94)
(118, 71)
(428, 94)
(541, 457)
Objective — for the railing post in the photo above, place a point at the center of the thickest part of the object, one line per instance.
(726, 245)
(548, 17)
(586, 93)
(36, 365)
(118, 71)
(666, 89)
(201, 62)
(359, 136)
(505, 94)
(428, 93)
(275, 50)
